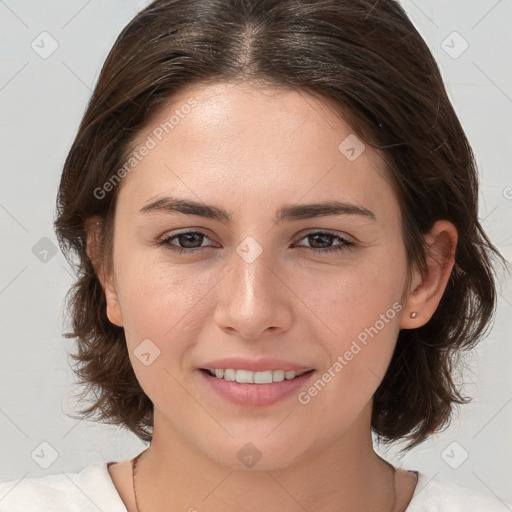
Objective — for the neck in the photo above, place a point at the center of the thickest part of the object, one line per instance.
(345, 476)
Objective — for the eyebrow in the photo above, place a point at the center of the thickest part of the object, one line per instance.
(288, 212)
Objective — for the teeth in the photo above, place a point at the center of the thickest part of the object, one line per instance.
(229, 375)
(248, 377)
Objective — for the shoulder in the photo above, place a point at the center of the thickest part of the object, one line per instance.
(434, 494)
(90, 489)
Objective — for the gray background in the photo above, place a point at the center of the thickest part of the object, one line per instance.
(41, 103)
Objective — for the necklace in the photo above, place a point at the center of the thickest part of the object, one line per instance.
(136, 459)
(134, 470)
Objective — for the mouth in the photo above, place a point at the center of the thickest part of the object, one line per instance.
(249, 377)
(255, 389)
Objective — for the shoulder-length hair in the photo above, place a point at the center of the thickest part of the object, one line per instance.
(367, 59)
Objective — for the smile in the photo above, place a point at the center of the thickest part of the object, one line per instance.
(248, 377)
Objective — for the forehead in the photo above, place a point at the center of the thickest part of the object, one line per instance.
(250, 145)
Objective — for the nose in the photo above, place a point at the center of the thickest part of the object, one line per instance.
(254, 299)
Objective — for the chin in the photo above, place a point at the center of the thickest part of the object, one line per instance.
(261, 454)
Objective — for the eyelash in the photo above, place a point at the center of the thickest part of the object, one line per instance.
(345, 244)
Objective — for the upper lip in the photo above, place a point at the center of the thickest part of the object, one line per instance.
(255, 365)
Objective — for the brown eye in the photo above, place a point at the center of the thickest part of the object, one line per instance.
(186, 242)
(322, 242)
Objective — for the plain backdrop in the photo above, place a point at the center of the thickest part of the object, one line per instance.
(44, 89)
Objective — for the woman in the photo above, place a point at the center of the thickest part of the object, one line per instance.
(274, 209)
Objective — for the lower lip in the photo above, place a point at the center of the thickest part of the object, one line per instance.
(255, 395)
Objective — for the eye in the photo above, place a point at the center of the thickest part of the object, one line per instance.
(324, 239)
(189, 239)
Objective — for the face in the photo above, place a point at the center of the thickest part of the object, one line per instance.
(252, 273)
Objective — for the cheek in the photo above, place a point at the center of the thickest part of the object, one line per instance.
(161, 310)
(159, 301)
(353, 296)
(357, 309)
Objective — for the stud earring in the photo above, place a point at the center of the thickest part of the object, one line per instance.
(413, 314)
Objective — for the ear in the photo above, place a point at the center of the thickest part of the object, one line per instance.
(428, 289)
(93, 230)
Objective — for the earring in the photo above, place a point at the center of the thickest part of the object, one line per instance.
(413, 314)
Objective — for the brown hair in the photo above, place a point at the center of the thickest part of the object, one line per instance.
(365, 58)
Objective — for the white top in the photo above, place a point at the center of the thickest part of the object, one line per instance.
(92, 489)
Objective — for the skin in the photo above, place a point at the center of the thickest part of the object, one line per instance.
(251, 149)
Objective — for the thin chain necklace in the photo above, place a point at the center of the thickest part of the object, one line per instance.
(136, 459)
(134, 470)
